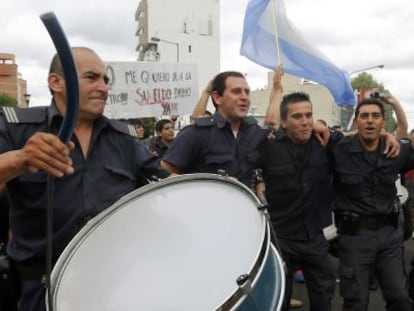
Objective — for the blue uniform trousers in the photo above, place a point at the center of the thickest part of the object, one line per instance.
(312, 256)
(368, 251)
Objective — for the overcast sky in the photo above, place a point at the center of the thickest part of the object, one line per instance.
(353, 34)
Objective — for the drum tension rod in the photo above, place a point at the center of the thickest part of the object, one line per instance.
(155, 178)
(263, 202)
(222, 172)
(245, 285)
(243, 281)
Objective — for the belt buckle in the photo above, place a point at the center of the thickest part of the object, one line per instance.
(371, 222)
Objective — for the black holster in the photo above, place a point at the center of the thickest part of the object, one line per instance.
(9, 281)
(347, 222)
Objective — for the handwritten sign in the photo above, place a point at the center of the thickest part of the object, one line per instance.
(150, 89)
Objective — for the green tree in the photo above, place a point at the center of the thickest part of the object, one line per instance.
(366, 81)
(7, 101)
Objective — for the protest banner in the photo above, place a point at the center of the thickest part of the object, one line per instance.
(150, 89)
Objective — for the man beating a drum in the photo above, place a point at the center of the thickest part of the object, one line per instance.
(103, 162)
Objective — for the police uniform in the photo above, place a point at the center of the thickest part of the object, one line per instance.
(299, 194)
(369, 221)
(8, 289)
(160, 147)
(4, 220)
(209, 145)
(115, 165)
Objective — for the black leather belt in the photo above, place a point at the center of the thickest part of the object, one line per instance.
(375, 222)
(349, 222)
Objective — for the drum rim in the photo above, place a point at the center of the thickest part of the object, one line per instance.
(234, 298)
(77, 241)
(282, 275)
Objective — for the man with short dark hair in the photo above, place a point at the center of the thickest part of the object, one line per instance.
(297, 179)
(165, 136)
(227, 141)
(368, 212)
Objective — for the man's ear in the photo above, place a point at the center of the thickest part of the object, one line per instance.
(55, 82)
(216, 97)
(283, 123)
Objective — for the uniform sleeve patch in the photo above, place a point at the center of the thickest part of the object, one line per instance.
(24, 115)
(123, 128)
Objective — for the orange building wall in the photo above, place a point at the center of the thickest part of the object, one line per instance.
(10, 82)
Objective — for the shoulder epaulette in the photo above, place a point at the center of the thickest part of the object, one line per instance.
(205, 121)
(250, 120)
(123, 127)
(25, 115)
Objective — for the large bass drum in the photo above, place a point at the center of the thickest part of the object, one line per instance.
(192, 242)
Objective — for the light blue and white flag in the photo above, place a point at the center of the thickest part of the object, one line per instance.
(298, 57)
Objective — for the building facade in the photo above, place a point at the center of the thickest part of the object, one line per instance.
(11, 81)
(185, 31)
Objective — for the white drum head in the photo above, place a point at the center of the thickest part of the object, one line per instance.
(179, 244)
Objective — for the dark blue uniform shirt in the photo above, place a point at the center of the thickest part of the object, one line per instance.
(4, 220)
(160, 147)
(365, 182)
(298, 185)
(116, 164)
(209, 145)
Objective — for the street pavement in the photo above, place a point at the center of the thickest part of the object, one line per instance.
(376, 302)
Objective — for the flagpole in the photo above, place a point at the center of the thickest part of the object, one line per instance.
(276, 32)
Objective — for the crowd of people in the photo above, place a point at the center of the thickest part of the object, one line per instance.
(302, 169)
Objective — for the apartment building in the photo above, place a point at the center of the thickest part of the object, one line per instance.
(183, 31)
(11, 81)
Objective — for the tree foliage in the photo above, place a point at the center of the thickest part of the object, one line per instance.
(365, 81)
(7, 101)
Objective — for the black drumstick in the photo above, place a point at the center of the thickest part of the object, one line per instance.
(66, 129)
(69, 72)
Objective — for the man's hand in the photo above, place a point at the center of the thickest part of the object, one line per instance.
(272, 116)
(46, 152)
(401, 129)
(388, 98)
(277, 79)
(392, 146)
(321, 132)
(209, 87)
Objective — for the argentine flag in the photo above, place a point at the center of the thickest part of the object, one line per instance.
(298, 57)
